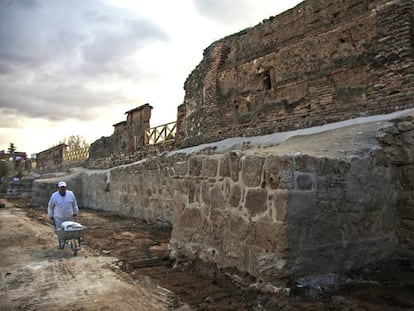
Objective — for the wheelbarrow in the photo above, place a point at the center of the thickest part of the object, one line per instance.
(70, 235)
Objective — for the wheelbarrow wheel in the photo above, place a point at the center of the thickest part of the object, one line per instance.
(74, 246)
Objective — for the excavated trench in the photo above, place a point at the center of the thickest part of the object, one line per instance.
(142, 252)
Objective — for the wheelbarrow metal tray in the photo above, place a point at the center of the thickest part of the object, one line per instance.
(70, 234)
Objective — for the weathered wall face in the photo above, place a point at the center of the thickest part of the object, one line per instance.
(284, 216)
(143, 189)
(397, 150)
(43, 188)
(272, 214)
(344, 59)
(128, 136)
(51, 159)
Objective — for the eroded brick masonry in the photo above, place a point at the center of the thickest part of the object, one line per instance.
(320, 62)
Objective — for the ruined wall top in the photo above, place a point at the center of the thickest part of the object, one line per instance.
(320, 62)
(128, 136)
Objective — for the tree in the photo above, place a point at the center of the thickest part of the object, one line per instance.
(74, 142)
(11, 149)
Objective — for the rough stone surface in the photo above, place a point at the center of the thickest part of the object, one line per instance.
(343, 60)
(292, 210)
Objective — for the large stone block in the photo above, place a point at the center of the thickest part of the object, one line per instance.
(217, 221)
(209, 168)
(305, 163)
(229, 165)
(217, 199)
(191, 217)
(405, 126)
(279, 173)
(181, 168)
(152, 164)
(305, 181)
(195, 165)
(235, 195)
(256, 201)
(270, 237)
(205, 192)
(407, 138)
(239, 227)
(252, 167)
(301, 206)
(280, 201)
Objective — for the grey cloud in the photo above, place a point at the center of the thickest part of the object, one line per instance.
(55, 102)
(50, 49)
(224, 11)
(110, 49)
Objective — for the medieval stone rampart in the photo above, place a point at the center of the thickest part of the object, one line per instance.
(320, 62)
(275, 213)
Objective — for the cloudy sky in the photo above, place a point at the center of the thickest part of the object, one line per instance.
(74, 67)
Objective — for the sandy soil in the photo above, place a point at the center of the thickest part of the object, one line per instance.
(35, 275)
(124, 265)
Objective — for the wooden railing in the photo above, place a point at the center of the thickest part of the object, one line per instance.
(75, 155)
(161, 133)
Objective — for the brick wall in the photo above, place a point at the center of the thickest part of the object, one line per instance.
(51, 159)
(128, 136)
(320, 62)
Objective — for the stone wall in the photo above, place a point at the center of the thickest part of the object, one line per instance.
(143, 189)
(146, 151)
(278, 217)
(270, 213)
(397, 150)
(43, 188)
(320, 62)
(16, 189)
(51, 159)
(128, 136)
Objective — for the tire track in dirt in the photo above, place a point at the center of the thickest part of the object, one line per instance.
(35, 275)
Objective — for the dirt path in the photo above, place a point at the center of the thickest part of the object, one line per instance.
(35, 275)
(124, 265)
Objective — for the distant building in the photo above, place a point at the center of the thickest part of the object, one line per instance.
(17, 155)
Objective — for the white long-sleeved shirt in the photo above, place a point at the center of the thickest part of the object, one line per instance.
(62, 207)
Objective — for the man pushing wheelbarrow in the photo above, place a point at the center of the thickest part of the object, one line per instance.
(62, 210)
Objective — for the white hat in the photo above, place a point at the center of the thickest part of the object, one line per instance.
(61, 184)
